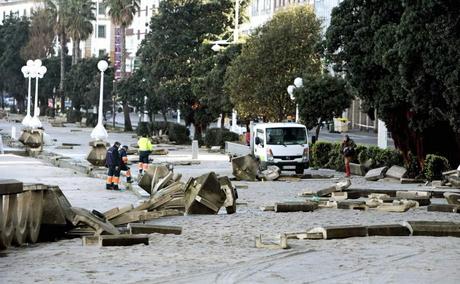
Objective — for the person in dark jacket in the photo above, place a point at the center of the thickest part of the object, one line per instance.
(348, 150)
(124, 163)
(113, 162)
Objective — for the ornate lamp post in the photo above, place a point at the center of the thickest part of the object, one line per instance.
(97, 154)
(99, 132)
(298, 83)
(27, 70)
(39, 73)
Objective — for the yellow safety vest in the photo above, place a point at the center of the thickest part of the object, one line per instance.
(144, 144)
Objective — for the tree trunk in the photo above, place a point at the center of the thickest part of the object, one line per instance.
(222, 121)
(128, 125)
(318, 128)
(62, 73)
(164, 117)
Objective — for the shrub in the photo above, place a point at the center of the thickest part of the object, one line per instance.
(178, 133)
(336, 160)
(320, 154)
(74, 116)
(91, 119)
(218, 137)
(434, 166)
(389, 157)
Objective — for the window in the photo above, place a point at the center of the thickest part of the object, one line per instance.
(261, 135)
(101, 31)
(101, 10)
(286, 136)
(102, 52)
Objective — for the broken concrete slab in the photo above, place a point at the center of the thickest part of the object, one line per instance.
(411, 180)
(376, 174)
(388, 230)
(421, 200)
(245, 168)
(150, 229)
(56, 207)
(119, 240)
(352, 204)
(373, 202)
(135, 216)
(270, 174)
(204, 195)
(267, 208)
(10, 186)
(162, 182)
(357, 169)
(433, 228)
(340, 232)
(451, 208)
(397, 206)
(342, 185)
(396, 172)
(117, 211)
(296, 206)
(85, 217)
(281, 244)
(230, 193)
(339, 196)
(452, 198)
(412, 194)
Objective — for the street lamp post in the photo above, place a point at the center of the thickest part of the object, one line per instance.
(146, 115)
(298, 83)
(39, 73)
(27, 70)
(99, 132)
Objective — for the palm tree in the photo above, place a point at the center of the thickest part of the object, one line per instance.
(58, 10)
(79, 26)
(122, 14)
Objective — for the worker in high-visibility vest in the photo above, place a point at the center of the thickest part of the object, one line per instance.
(113, 162)
(145, 148)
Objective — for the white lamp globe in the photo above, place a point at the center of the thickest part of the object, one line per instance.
(290, 90)
(30, 63)
(216, 47)
(37, 62)
(102, 65)
(298, 82)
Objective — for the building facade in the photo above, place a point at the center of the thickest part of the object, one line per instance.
(105, 38)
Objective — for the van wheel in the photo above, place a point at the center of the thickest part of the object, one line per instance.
(299, 170)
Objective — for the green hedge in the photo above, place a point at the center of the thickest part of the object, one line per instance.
(434, 166)
(218, 136)
(74, 116)
(328, 155)
(176, 132)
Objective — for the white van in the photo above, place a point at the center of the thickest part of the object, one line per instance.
(282, 144)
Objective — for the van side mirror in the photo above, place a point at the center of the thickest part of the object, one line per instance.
(257, 140)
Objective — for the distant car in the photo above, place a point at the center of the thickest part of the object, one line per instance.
(120, 108)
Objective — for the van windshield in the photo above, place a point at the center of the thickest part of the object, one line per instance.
(286, 136)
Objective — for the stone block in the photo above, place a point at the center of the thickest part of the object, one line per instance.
(433, 228)
(376, 174)
(117, 211)
(135, 216)
(388, 230)
(118, 240)
(352, 204)
(412, 194)
(245, 168)
(267, 208)
(85, 217)
(454, 181)
(396, 172)
(452, 198)
(150, 229)
(204, 195)
(270, 174)
(397, 206)
(296, 206)
(411, 180)
(10, 186)
(451, 208)
(421, 200)
(357, 169)
(230, 193)
(339, 196)
(97, 154)
(273, 244)
(340, 232)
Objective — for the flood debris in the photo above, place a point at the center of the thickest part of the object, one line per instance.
(204, 195)
(407, 228)
(448, 208)
(245, 168)
(342, 185)
(115, 240)
(295, 206)
(136, 228)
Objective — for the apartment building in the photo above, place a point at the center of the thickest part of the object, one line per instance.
(105, 38)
